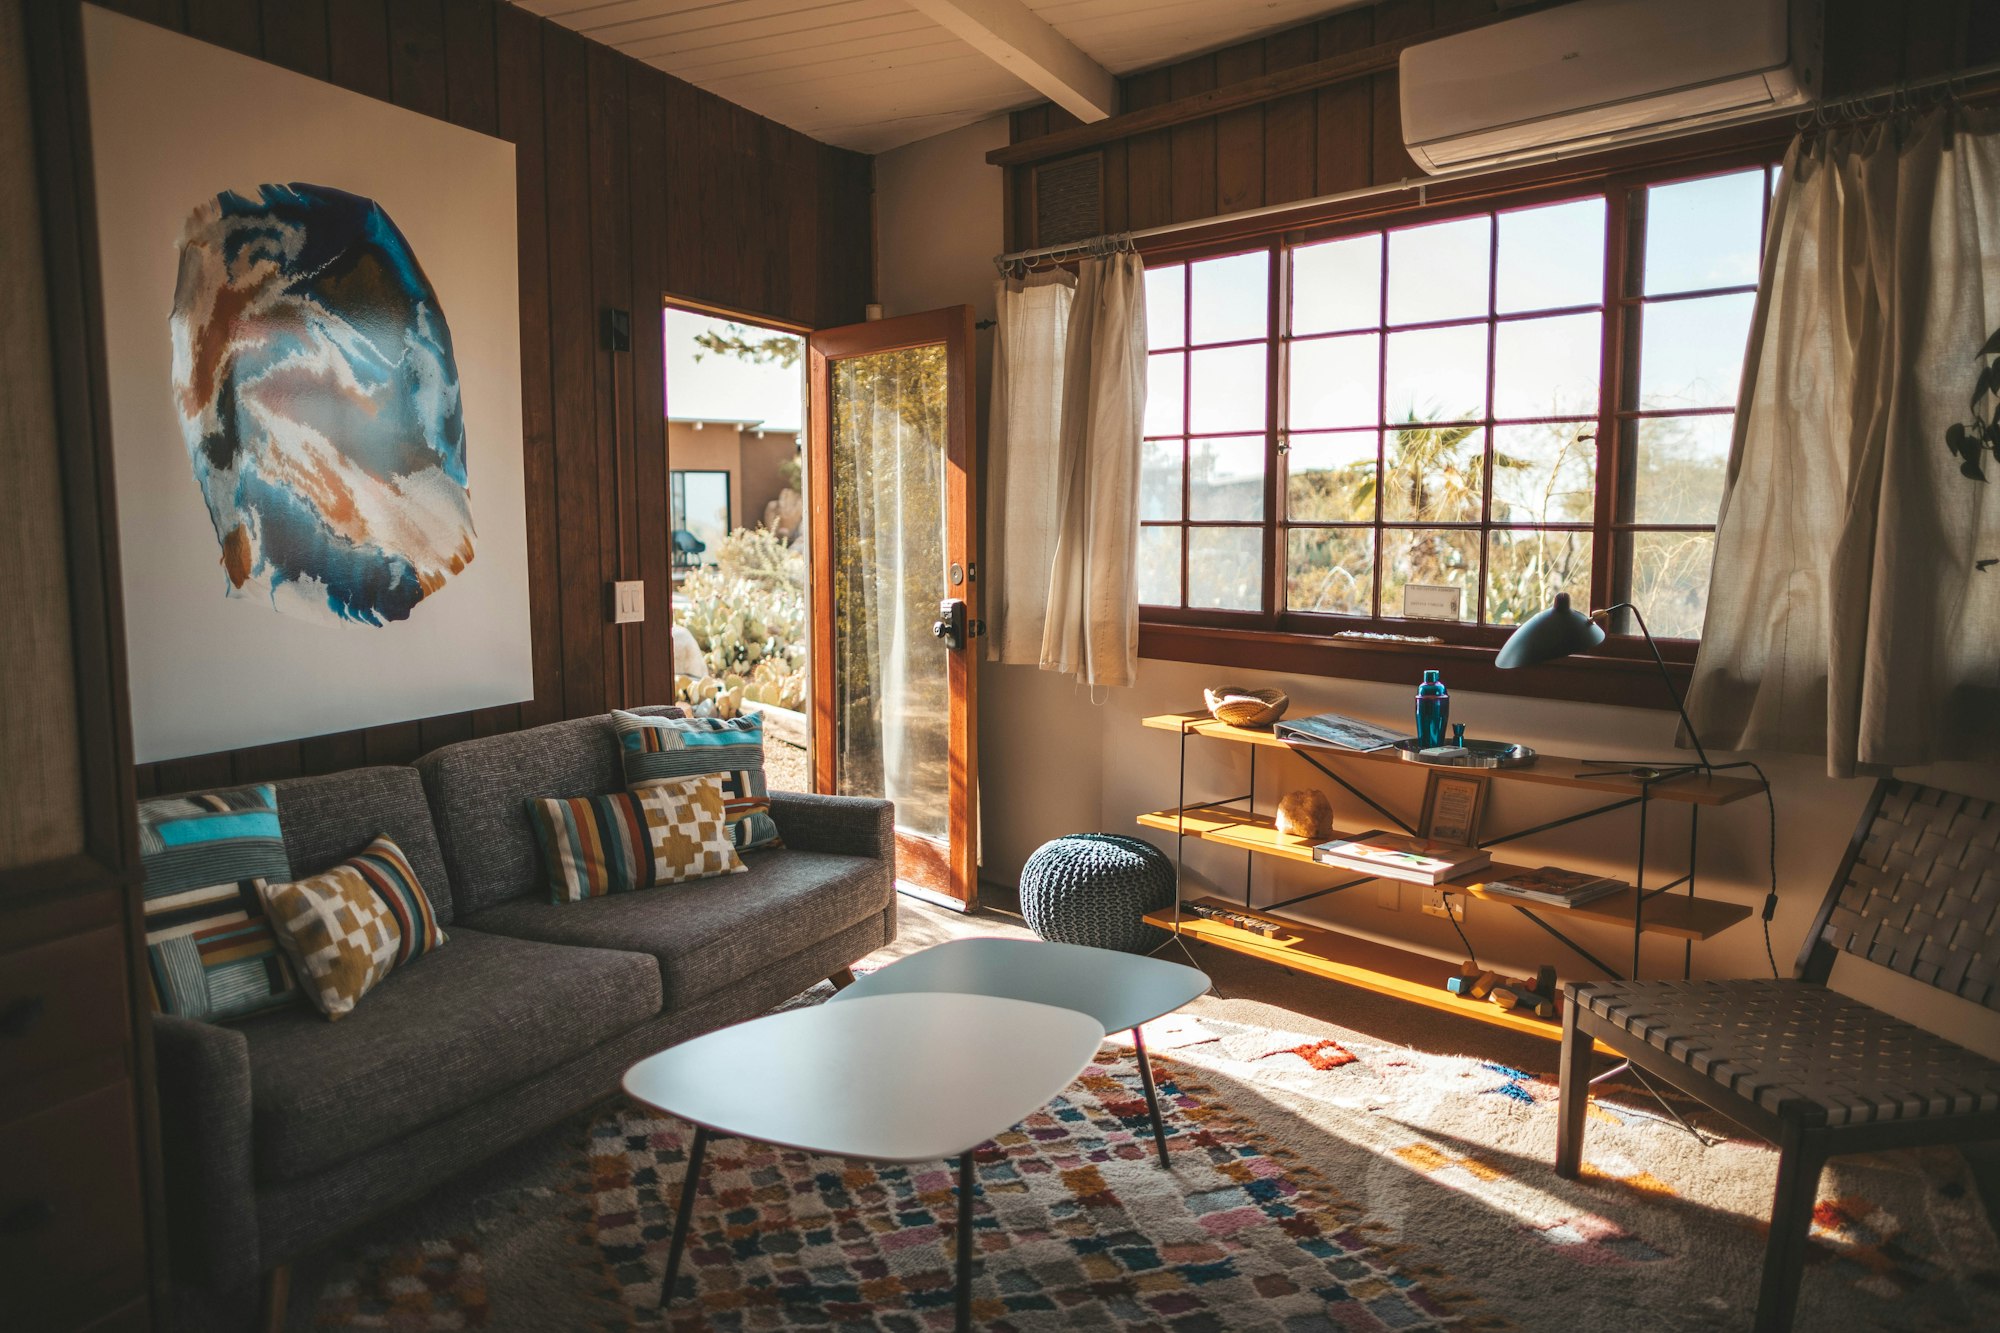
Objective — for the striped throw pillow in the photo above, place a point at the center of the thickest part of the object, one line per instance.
(347, 928)
(665, 833)
(653, 748)
(209, 949)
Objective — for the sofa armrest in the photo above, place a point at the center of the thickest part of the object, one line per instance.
(205, 1128)
(852, 825)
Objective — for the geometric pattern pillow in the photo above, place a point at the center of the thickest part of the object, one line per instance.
(347, 928)
(687, 823)
(653, 748)
(209, 951)
(598, 845)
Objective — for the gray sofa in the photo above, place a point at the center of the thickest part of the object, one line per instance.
(285, 1130)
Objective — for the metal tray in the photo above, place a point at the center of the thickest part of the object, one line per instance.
(1485, 754)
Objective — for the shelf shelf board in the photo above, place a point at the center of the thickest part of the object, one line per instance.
(1381, 968)
(1672, 914)
(1548, 769)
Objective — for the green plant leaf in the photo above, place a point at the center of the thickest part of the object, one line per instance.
(1992, 347)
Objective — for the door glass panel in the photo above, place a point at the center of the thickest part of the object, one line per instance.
(891, 687)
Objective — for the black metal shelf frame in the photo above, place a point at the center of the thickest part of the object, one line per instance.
(1647, 777)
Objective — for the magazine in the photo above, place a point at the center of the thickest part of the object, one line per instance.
(1348, 733)
(1414, 859)
(1554, 886)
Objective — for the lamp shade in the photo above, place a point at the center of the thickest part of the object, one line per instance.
(1556, 632)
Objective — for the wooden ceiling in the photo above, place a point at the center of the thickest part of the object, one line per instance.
(874, 74)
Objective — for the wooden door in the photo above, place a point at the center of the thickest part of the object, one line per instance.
(895, 589)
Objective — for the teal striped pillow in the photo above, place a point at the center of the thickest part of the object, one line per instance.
(210, 952)
(654, 748)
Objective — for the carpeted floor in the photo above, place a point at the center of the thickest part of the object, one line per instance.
(1342, 1161)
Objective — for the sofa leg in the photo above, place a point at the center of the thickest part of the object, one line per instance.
(842, 979)
(272, 1300)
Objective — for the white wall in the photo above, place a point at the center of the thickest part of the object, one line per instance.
(1054, 762)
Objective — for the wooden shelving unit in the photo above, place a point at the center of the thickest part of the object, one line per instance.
(1684, 918)
(1404, 973)
(1547, 770)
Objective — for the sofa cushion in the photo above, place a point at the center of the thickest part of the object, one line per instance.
(345, 928)
(479, 791)
(331, 818)
(662, 748)
(210, 952)
(479, 1016)
(710, 933)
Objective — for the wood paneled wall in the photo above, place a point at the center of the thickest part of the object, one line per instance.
(632, 185)
(1348, 135)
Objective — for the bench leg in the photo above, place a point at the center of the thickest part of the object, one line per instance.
(1800, 1157)
(842, 979)
(1574, 1106)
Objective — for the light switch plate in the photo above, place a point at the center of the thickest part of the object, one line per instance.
(1389, 896)
(628, 602)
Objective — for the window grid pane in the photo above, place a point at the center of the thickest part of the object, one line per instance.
(1445, 385)
(1455, 363)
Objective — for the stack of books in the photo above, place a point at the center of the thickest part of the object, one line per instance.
(1392, 856)
(1553, 887)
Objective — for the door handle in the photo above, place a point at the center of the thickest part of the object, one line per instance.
(952, 625)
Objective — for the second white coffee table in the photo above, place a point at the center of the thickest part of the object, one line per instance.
(1119, 990)
(893, 1078)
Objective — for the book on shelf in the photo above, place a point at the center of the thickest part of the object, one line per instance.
(1554, 886)
(1418, 860)
(1334, 729)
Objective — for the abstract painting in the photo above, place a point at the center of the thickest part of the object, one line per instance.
(319, 402)
(311, 315)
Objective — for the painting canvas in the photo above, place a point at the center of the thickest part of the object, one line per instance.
(311, 317)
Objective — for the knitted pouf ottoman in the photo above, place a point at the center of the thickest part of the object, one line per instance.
(1094, 888)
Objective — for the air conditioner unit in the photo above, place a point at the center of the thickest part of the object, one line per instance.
(1597, 73)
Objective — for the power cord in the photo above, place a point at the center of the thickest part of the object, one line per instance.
(1771, 897)
(1452, 917)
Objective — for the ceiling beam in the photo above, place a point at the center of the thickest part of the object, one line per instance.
(1008, 33)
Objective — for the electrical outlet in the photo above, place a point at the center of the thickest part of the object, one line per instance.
(1389, 896)
(1436, 902)
(628, 601)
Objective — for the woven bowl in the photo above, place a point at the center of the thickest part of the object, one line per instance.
(1246, 708)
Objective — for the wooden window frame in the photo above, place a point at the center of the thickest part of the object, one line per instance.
(1315, 643)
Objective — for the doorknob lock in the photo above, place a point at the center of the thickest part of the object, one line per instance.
(951, 624)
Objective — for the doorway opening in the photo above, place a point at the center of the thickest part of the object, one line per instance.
(737, 515)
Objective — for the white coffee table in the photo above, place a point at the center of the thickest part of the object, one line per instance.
(891, 1078)
(1119, 990)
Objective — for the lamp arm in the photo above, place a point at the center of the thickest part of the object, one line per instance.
(1661, 662)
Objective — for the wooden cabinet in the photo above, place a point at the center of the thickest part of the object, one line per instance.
(77, 1155)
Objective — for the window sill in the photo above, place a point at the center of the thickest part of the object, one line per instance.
(1611, 677)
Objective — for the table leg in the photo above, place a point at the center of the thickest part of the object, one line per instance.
(689, 1184)
(1152, 1097)
(965, 1191)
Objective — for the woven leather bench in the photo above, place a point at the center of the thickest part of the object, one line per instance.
(1811, 1070)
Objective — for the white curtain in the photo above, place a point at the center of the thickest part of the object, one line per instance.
(1092, 629)
(1846, 612)
(1024, 421)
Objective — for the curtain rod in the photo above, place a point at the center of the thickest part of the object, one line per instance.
(1816, 111)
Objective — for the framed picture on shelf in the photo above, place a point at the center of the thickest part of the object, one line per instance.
(1453, 804)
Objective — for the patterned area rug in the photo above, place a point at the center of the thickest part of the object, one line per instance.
(1076, 1226)
(1323, 1179)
